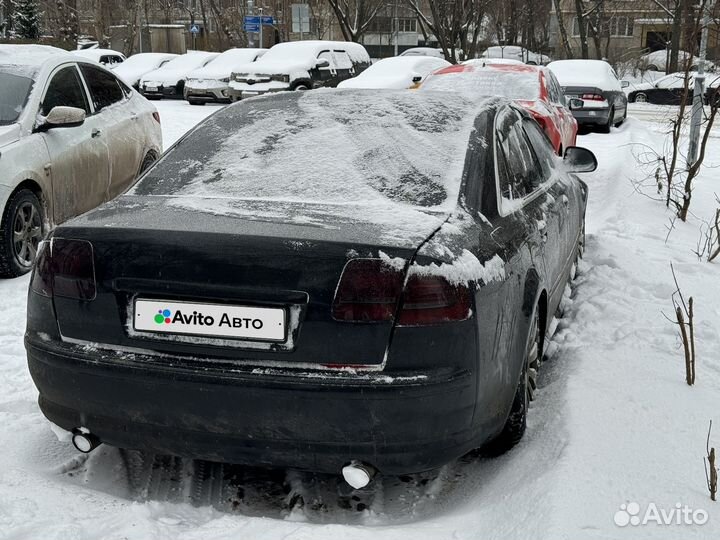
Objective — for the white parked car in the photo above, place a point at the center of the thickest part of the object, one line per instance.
(107, 57)
(424, 51)
(72, 136)
(515, 52)
(211, 83)
(299, 65)
(169, 80)
(132, 69)
(397, 72)
(657, 61)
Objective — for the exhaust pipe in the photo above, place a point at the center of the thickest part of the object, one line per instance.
(84, 441)
(358, 474)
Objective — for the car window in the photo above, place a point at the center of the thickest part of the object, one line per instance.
(327, 55)
(342, 60)
(104, 88)
(542, 147)
(673, 81)
(66, 90)
(554, 88)
(519, 173)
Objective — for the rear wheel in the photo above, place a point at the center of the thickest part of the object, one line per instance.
(611, 119)
(301, 87)
(641, 98)
(652, 67)
(516, 423)
(147, 162)
(21, 231)
(195, 102)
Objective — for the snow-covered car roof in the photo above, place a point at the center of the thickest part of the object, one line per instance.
(585, 73)
(27, 59)
(514, 52)
(302, 55)
(476, 81)
(178, 68)
(396, 72)
(423, 51)
(330, 147)
(224, 64)
(139, 64)
(492, 61)
(96, 54)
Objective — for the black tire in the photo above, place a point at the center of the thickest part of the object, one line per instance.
(641, 97)
(302, 87)
(611, 119)
(652, 67)
(516, 422)
(195, 102)
(147, 162)
(21, 230)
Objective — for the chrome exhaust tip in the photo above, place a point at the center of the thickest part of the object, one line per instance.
(358, 474)
(84, 441)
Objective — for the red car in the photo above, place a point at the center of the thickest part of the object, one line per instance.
(533, 87)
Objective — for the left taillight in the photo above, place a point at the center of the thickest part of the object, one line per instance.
(65, 268)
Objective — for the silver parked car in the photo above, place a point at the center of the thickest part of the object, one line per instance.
(72, 136)
(595, 83)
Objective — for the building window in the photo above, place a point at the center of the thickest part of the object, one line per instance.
(407, 25)
(617, 26)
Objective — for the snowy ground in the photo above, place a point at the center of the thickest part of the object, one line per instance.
(614, 422)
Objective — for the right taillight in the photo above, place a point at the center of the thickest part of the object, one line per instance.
(65, 268)
(593, 97)
(370, 291)
(431, 299)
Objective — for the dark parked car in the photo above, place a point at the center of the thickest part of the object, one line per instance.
(673, 89)
(595, 82)
(318, 281)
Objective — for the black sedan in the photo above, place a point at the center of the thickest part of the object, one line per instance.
(674, 89)
(328, 280)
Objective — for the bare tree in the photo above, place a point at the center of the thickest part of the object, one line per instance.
(355, 16)
(711, 470)
(455, 25)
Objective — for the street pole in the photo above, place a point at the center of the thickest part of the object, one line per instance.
(261, 25)
(396, 24)
(697, 107)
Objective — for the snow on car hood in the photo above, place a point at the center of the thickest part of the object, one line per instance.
(397, 82)
(9, 134)
(297, 68)
(165, 76)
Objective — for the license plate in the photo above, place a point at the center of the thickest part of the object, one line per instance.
(210, 320)
(151, 88)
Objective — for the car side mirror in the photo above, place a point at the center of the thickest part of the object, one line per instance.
(579, 160)
(624, 84)
(63, 117)
(575, 104)
(416, 79)
(322, 63)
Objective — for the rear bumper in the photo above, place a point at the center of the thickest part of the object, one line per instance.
(592, 116)
(257, 417)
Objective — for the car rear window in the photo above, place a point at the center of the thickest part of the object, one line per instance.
(334, 147)
(485, 82)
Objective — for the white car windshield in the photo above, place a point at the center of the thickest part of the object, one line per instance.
(14, 95)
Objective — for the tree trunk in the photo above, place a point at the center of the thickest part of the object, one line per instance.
(563, 33)
(672, 66)
(579, 8)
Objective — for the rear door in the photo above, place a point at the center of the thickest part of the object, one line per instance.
(79, 157)
(344, 67)
(121, 124)
(564, 118)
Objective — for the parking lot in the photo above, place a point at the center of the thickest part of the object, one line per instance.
(613, 421)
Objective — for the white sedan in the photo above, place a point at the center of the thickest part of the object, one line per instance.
(397, 72)
(72, 136)
(132, 69)
(169, 80)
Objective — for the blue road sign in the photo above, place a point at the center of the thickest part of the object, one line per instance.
(267, 20)
(251, 19)
(194, 29)
(249, 27)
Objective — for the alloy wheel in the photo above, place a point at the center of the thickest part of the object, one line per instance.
(27, 233)
(533, 358)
